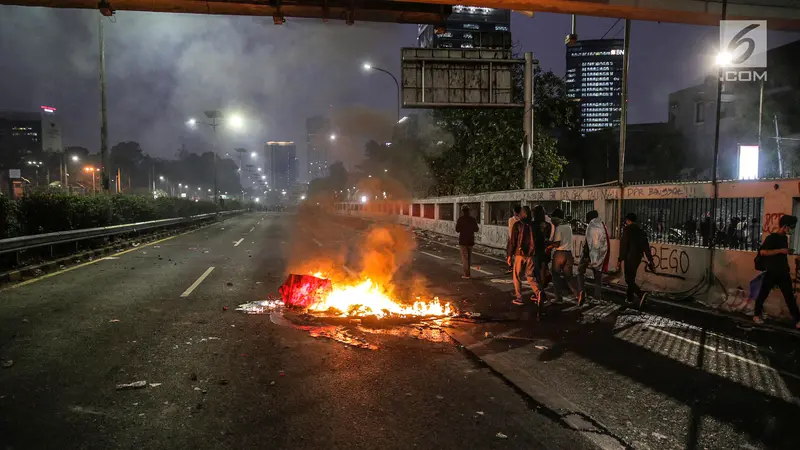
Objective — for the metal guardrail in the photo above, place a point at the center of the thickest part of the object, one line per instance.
(21, 243)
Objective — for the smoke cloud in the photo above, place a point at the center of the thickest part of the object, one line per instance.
(163, 68)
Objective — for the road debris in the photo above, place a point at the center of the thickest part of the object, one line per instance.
(152, 385)
(223, 382)
(542, 347)
(439, 397)
(480, 413)
(272, 383)
(113, 321)
(224, 308)
(501, 435)
(135, 385)
(8, 363)
(229, 284)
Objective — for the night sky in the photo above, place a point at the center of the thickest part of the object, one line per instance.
(164, 68)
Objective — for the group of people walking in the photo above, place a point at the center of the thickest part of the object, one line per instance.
(540, 250)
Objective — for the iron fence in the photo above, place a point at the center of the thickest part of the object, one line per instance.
(688, 221)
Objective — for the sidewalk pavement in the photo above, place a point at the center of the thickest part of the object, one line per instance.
(614, 289)
(625, 378)
(662, 378)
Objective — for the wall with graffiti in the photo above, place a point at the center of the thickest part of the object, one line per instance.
(678, 220)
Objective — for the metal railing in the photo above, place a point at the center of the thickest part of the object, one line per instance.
(22, 243)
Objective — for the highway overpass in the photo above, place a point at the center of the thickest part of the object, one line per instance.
(782, 14)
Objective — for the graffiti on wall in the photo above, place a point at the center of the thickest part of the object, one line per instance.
(661, 192)
(771, 221)
(670, 260)
(575, 194)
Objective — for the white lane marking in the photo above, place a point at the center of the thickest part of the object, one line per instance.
(430, 254)
(197, 282)
(456, 248)
(251, 229)
(729, 354)
(236, 244)
(481, 271)
(499, 336)
(317, 242)
(109, 258)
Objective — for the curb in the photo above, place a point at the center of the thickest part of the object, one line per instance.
(540, 398)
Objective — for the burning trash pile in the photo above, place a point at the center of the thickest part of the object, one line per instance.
(320, 296)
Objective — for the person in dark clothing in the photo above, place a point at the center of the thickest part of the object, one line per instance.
(631, 248)
(466, 227)
(521, 249)
(774, 255)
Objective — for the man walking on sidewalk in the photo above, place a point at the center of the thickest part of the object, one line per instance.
(594, 255)
(466, 227)
(514, 219)
(563, 261)
(522, 248)
(774, 255)
(631, 247)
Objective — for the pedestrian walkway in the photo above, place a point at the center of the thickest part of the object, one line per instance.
(641, 379)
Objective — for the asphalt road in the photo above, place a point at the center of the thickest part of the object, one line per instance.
(218, 378)
(661, 378)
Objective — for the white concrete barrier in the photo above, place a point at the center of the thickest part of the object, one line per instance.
(669, 208)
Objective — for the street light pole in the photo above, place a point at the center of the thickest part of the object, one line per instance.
(396, 83)
(104, 160)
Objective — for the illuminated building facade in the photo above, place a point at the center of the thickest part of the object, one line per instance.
(594, 79)
(318, 130)
(281, 165)
(469, 27)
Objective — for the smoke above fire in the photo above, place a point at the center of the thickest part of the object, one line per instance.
(350, 253)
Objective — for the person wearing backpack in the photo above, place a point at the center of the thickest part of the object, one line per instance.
(773, 260)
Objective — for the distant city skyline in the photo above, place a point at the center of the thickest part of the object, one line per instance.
(182, 64)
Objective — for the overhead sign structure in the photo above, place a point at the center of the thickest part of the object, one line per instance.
(446, 78)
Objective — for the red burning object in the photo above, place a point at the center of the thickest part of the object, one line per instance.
(302, 291)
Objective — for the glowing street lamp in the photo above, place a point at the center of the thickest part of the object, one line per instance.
(92, 170)
(363, 199)
(75, 158)
(369, 67)
(192, 122)
(333, 137)
(254, 155)
(236, 122)
(724, 59)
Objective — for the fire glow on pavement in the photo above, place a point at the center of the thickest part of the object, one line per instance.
(362, 298)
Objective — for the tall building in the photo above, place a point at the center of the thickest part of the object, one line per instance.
(594, 79)
(281, 165)
(318, 130)
(469, 27)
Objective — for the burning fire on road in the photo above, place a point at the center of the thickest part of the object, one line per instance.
(320, 296)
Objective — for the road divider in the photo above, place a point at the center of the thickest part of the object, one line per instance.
(197, 282)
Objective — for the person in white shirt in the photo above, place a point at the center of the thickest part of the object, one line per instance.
(562, 255)
(511, 221)
(594, 256)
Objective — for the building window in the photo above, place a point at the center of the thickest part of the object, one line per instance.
(699, 112)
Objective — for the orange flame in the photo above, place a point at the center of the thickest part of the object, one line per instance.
(366, 298)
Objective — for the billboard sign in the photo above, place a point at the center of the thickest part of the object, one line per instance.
(442, 78)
